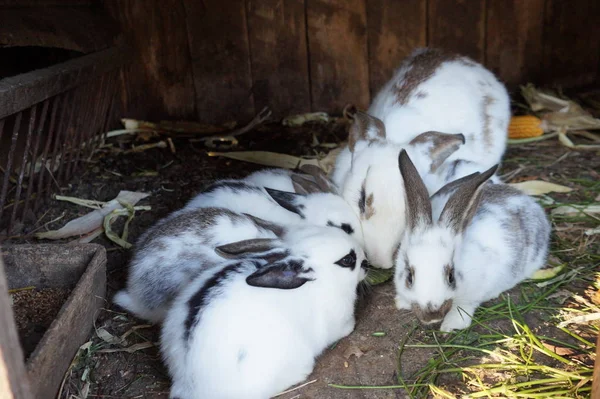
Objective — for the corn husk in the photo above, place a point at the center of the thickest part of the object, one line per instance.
(266, 158)
(540, 187)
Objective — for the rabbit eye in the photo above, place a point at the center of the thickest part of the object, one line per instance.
(409, 277)
(348, 261)
(450, 275)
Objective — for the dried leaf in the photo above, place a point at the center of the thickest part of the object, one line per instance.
(561, 296)
(584, 319)
(93, 220)
(80, 201)
(570, 210)
(566, 141)
(353, 350)
(591, 232)
(440, 393)
(107, 337)
(266, 158)
(539, 187)
(301, 119)
(130, 349)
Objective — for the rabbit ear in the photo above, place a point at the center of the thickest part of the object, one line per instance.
(462, 204)
(304, 185)
(320, 177)
(438, 146)
(275, 228)
(287, 200)
(282, 275)
(418, 205)
(365, 127)
(247, 247)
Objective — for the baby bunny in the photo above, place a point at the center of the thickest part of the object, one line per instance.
(473, 240)
(313, 200)
(440, 91)
(370, 182)
(178, 248)
(252, 328)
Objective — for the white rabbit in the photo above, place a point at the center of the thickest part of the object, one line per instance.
(278, 179)
(253, 328)
(373, 186)
(315, 200)
(173, 251)
(473, 240)
(450, 93)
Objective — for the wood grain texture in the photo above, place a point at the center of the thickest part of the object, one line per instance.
(220, 54)
(337, 45)
(458, 25)
(277, 35)
(158, 83)
(395, 29)
(571, 42)
(13, 378)
(514, 40)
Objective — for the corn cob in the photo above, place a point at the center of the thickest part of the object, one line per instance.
(525, 126)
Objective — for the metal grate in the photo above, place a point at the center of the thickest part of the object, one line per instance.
(51, 121)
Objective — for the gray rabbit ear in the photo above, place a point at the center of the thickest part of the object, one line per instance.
(365, 127)
(418, 205)
(243, 248)
(275, 228)
(462, 204)
(438, 146)
(289, 201)
(281, 275)
(323, 182)
(303, 185)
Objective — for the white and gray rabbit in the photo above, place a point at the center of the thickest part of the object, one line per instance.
(312, 200)
(252, 328)
(176, 249)
(469, 243)
(370, 182)
(434, 90)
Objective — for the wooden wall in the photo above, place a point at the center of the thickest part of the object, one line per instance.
(218, 60)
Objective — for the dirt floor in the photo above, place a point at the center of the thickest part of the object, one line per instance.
(111, 367)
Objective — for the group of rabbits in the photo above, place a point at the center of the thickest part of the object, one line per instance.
(255, 277)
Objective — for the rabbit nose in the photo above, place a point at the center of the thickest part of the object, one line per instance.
(432, 314)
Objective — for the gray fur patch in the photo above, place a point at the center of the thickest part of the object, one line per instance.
(488, 134)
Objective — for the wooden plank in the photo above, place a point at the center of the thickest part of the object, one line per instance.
(22, 91)
(337, 46)
(218, 39)
(391, 41)
(571, 42)
(13, 378)
(458, 25)
(74, 28)
(158, 83)
(277, 35)
(514, 40)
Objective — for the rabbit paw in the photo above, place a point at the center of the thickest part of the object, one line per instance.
(456, 319)
(400, 304)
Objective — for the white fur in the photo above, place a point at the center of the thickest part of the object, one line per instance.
(172, 252)
(321, 209)
(505, 243)
(461, 96)
(251, 342)
(279, 179)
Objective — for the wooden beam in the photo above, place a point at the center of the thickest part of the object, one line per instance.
(458, 26)
(13, 377)
(337, 45)
(514, 40)
(395, 29)
(22, 91)
(220, 53)
(277, 34)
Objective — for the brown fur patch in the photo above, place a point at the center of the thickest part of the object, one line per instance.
(369, 209)
(429, 314)
(421, 67)
(443, 145)
(360, 129)
(418, 206)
